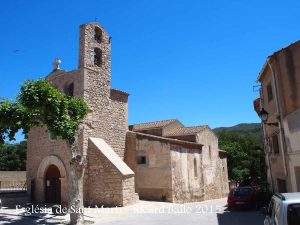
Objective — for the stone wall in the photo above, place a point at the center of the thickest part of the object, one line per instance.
(103, 185)
(286, 65)
(62, 79)
(291, 127)
(187, 177)
(224, 183)
(108, 109)
(153, 180)
(128, 191)
(13, 179)
(173, 168)
(12, 175)
(107, 119)
(190, 138)
(214, 178)
(39, 147)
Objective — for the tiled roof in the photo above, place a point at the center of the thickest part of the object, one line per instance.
(168, 140)
(150, 125)
(186, 131)
(113, 90)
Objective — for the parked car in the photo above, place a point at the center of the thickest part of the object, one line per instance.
(242, 197)
(284, 209)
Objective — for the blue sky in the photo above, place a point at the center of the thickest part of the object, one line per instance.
(192, 60)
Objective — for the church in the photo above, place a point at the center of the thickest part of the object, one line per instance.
(160, 160)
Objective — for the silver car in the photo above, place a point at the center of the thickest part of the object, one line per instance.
(284, 209)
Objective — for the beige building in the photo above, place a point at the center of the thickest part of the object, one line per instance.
(191, 164)
(279, 108)
(176, 163)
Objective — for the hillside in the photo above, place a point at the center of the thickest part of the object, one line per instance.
(243, 129)
(244, 146)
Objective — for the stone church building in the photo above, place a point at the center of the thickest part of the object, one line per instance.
(161, 160)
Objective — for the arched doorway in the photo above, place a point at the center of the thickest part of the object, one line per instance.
(52, 185)
(40, 181)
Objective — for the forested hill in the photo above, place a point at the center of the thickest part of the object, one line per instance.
(243, 129)
(243, 144)
(252, 127)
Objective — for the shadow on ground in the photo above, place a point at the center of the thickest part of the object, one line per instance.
(240, 217)
(26, 220)
(11, 214)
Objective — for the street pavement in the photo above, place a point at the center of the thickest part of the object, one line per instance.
(213, 212)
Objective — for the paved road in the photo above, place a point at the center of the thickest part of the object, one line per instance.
(206, 213)
(148, 213)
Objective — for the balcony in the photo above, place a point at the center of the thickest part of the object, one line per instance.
(257, 105)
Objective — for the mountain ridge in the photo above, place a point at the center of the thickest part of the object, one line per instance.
(240, 126)
(243, 129)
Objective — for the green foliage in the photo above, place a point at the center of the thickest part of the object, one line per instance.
(245, 153)
(39, 103)
(245, 129)
(13, 157)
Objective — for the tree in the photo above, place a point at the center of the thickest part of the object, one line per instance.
(13, 157)
(39, 103)
(245, 156)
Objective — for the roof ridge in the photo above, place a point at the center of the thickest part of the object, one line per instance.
(197, 126)
(155, 121)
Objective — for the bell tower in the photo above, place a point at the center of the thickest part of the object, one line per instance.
(95, 54)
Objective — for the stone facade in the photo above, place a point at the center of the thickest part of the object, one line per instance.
(176, 168)
(107, 119)
(12, 179)
(185, 166)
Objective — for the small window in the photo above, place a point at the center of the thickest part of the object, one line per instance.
(195, 168)
(275, 144)
(97, 57)
(209, 152)
(98, 34)
(270, 92)
(142, 160)
(69, 89)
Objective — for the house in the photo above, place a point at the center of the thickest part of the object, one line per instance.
(176, 163)
(279, 108)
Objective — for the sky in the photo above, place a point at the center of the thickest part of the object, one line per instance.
(196, 61)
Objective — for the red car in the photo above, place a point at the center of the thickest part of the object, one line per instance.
(241, 197)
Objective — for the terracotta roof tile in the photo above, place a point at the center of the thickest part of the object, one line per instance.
(186, 131)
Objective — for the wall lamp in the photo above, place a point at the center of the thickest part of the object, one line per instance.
(264, 115)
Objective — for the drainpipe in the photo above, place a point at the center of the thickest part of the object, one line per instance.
(281, 131)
